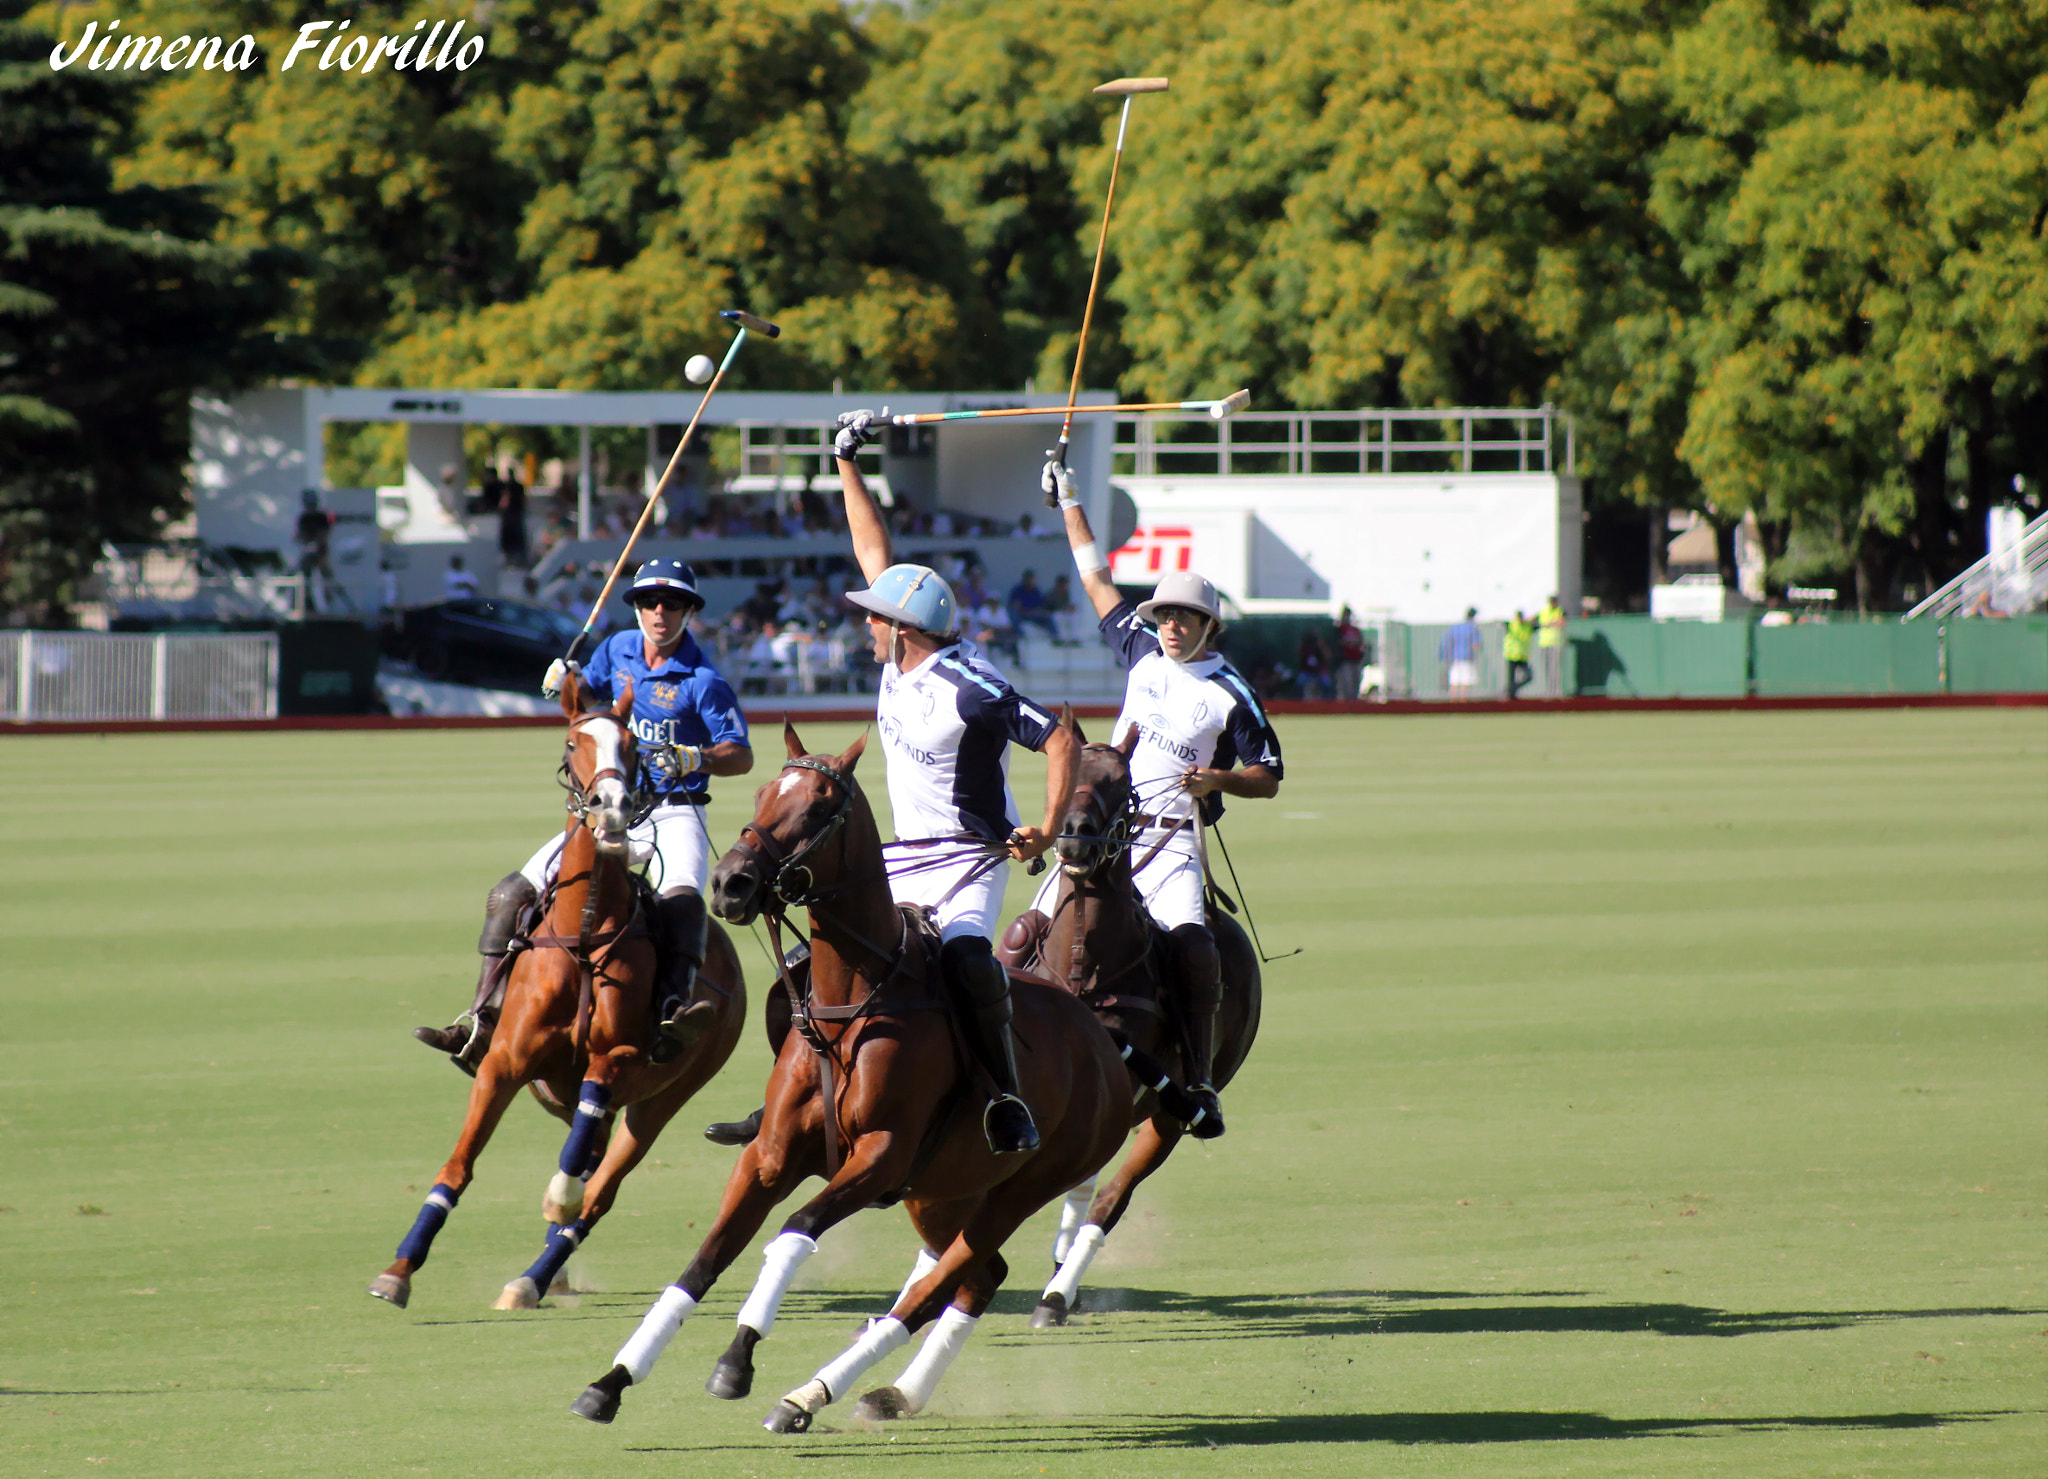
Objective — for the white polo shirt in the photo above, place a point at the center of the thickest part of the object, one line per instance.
(947, 727)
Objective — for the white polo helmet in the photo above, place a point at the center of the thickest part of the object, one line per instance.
(1183, 588)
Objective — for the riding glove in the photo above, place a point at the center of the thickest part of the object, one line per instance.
(558, 677)
(1058, 482)
(855, 430)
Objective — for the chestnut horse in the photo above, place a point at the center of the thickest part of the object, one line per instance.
(873, 1090)
(577, 1018)
(1102, 944)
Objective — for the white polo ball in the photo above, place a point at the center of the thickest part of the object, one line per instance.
(700, 368)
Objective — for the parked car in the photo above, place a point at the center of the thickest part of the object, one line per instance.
(493, 644)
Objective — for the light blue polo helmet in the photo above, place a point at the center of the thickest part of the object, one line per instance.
(911, 596)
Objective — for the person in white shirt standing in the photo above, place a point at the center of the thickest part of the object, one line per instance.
(1203, 736)
(947, 719)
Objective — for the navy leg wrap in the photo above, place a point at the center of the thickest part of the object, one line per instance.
(420, 1241)
(585, 1146)
(562, 1241)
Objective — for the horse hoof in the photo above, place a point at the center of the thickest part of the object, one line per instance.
(520, 1294)
(788, 1418)
(730, 1381)
(562, 1203)
(597, 1404)
(391, 1288)
(884, 1404)
(1051, 1311)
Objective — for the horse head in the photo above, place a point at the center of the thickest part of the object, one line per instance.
(1098, 815)
(601, 766)
(782, 856)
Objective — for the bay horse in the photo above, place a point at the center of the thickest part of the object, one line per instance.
(577, 1018)
(1104, 947)
(874, 1092)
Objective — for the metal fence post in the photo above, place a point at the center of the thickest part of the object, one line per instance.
(270, 680)
(25, 678)
(159, 676)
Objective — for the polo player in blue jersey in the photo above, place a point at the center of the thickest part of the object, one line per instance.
(690, 728)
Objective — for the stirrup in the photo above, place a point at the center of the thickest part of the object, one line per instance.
(1023, 1139)
(1207, 1123)
(676, 1035)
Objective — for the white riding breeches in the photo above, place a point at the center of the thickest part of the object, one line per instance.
(975, 907)
(1170, 884)
(675, 838)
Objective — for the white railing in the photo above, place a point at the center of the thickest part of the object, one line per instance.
(2009, 582)
(1348, 443)
(144, 675)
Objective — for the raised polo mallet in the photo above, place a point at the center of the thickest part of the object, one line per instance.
(1230, 405)
(747, 322)
(1125, 88)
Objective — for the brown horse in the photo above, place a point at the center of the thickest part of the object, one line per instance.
(873, 1091)
(1104, 947)
(577, 1018)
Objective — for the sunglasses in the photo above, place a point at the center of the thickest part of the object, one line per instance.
(667, 603)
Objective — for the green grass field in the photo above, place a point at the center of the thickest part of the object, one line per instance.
(1657, 1095)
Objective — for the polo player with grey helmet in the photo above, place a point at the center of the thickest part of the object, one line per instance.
(689, 727)
(1203, 735)
(947, 719)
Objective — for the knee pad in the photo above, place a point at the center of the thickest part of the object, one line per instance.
(969, 966)
(1025, 937)
(507, 899)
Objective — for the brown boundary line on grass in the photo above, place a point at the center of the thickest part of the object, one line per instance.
(764, 714)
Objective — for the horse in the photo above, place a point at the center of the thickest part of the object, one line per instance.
(577, 1016)
(874, 1092)
(1102, 945)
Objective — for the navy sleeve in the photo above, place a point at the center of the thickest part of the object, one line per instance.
(1247, 737)
(720, 709)
(989, 704)
(1127, 636)
(600, 672)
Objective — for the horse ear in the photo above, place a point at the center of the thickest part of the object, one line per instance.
(1130, 742)
(625, 704)
(572, 696)
(790, 742)
(1073, 725)
(852, 757)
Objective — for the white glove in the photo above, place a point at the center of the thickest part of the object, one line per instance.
(1057, 481)
(855, 430)
(558, 678)
(687, 759)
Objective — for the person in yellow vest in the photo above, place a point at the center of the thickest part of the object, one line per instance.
(1550, 647)
(1514, 647)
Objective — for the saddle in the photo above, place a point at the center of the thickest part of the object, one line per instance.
(527, 934)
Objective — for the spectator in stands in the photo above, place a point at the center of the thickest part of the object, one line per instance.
(1458, 650)
(312, 534)
(1514, 649)
(1059, 609)
(1027, 606)
(765, 605)
(511, 504)
(1312, 661)
(1550, 623)
(1024, 529)
(1350, 655)
(458, 582)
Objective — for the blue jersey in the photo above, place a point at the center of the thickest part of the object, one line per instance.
(683, 701)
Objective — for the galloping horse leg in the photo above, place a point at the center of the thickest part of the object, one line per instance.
(488, 1097)
(877, 1162)
(1073, 1213)
(1156, 1140)
(762, 1177)
(627, 1147)
(582, 1150)
(940, 1224)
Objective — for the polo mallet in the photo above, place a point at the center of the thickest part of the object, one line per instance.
(746, 321)
(1125, 88)
(1229, 406)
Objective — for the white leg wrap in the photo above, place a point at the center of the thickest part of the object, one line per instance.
(1073, 1212)
(921, 1378)
(1067, 1282)
(639, 1354)
(878, 1340)
(779, 1262)
(926, 1262)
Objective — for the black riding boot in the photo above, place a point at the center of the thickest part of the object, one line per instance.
(970, 969)
(468, 1038)
(1198, 985)
(680, 932)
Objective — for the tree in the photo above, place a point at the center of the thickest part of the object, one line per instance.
(114, 310)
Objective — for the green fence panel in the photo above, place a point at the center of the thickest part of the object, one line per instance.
(326, 667)
(1637, 657)
(1989, 656)
(1848, 657)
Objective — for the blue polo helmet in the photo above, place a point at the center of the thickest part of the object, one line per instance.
(672, 577)
(912, 595)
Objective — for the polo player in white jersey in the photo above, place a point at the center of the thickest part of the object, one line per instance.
(947, 719)
(1203, 736)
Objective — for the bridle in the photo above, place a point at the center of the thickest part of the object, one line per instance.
(1116, 834)
(779, 869)
(582, 798)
